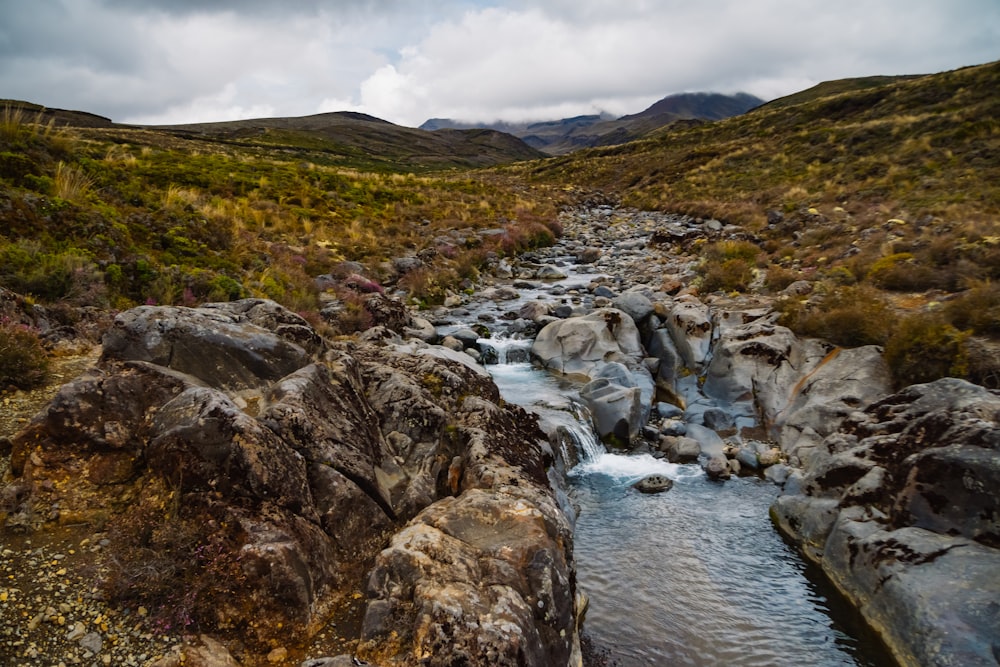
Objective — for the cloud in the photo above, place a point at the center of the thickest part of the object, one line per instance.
(526, 62)
(408, 60)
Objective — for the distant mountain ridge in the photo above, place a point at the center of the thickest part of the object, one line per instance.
(342, 136)
(558, 137)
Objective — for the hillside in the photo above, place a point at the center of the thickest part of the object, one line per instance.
(342, 138)
(117, 216)
(559, 137)
(884, 198)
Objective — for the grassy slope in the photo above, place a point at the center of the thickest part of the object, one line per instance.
(887, 189)
(115, 216)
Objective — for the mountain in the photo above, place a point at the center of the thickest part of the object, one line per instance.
(344, 137)
(563, 136)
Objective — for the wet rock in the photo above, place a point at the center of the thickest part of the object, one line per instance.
(680, 449)
(717, 467)
(654, 484)
(616, 410)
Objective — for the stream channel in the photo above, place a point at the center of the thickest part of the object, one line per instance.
(694, 576)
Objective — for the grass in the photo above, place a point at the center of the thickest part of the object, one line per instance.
(144, 216)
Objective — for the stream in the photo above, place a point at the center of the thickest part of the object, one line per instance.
(694, 576)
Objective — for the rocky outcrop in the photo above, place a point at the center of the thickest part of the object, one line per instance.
(234, 430)
(900, 508)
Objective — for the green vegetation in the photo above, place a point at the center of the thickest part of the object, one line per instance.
(882, 192)
(115, 217)
(900, 165)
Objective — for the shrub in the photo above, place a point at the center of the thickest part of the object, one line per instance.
(977, 309)
(732, 275)
(182, 563)
(23, 362)
(924, 348)
(779, 277)
(901, 272)
(728, 265)
(846, 316)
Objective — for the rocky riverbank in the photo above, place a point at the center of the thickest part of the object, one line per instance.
(893, 495)
(279, 475)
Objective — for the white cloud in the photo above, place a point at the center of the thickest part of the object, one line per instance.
(406, 61)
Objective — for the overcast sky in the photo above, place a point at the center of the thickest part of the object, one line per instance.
(178, 61)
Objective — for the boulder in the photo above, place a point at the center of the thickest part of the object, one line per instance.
(208, 343)
(899, 507)
(635, 304)
(616, 410)
(717, 467)
(690, 326)
(290, 472)
(478, 579)
(680, 449)
(581, 345)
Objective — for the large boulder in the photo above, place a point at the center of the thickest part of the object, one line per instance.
(690, 325)
(480, 579)
(213, 344)
(900, 508)
(582, 345)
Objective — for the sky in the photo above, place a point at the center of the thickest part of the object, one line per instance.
(405, 61)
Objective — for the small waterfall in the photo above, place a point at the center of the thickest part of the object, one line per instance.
(505, 350)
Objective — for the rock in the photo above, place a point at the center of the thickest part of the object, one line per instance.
(680, 449)
(533, 310)
(426, 590)
(452, 343)
(293, 481)
(581, 345)
(277, 655)
(467, 337)
(207, 343)
(404, 265)
(901, 503)
(548, 272)
(717, 467)
(616, 410)
(588, 255)
(844, 382)
(92, 642)
(636, 305)
(654, 484)
(661, 346)
(421, 329)
(690, 327)
(337, 661)
(747, 458)
(717, 419)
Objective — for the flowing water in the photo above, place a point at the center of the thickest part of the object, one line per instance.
(693, 576)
